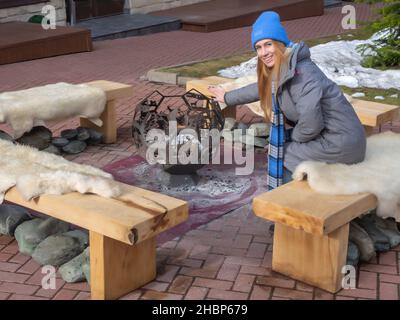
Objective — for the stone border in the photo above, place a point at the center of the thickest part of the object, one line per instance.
(156, 75)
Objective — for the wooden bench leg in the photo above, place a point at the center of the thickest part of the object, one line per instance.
(109, 127)
(117, 268)
(316, 260)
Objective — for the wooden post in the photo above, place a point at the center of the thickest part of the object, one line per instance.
(109, 127)
(313, 259)
(117, 268)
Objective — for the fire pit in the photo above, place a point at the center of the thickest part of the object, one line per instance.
(187, 121)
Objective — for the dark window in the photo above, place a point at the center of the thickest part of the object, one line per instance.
(17, 3)
(86, 9)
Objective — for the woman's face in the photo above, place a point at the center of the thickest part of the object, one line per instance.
(266, 52)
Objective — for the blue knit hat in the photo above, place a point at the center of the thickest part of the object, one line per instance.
(268, 26)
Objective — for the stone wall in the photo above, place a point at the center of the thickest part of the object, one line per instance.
(23, 13)
(145, 6)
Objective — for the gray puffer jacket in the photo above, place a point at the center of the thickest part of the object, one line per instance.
(326, 126)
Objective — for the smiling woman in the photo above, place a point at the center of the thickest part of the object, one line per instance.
(295, 93)
(266, 51)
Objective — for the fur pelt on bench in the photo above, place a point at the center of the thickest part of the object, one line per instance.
(35, 172)
(24, 109)
(379, 174)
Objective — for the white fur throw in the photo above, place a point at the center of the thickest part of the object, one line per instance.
(26, 108)
(36, 172)
(379, 174)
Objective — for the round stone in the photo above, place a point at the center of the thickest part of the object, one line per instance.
(60, 142)
(229, 123)
(39, 137)
(5, 136)
(380, 240)
(241, 126)
(353, 254)
(11, 216)
(53, 150)
(72, 271)
(362, 240)
(75, 147)
(86, 265)
(69, 134)
(96, 137)
(42, 132)
(83, 134)
(30, 233)
(259, 129)
(56, 250)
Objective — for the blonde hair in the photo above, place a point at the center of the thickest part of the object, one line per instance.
(265, 76)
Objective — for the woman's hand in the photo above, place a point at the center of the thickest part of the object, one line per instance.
(218, 93)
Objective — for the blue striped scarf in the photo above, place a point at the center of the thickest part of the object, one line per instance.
(276, 144)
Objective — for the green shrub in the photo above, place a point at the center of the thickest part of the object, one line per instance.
(385, 52)
(37, 18)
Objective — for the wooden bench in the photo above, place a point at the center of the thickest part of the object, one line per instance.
(371, 114)
(374, 114)
(201, 85)
(311, 231)
(122, 232)
(114, 91)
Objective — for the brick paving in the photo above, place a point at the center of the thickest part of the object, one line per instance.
(228, 258)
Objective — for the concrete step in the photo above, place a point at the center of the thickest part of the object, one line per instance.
(128, 25)
(334, 3)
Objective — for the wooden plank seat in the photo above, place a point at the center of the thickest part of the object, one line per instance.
(114, 91)
(374, 114)
(22, 41)
(371, 114)
(122, 232)
(201, 85)
(311, 231)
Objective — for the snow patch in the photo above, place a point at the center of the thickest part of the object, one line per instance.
(340, 62)
(358, 94)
